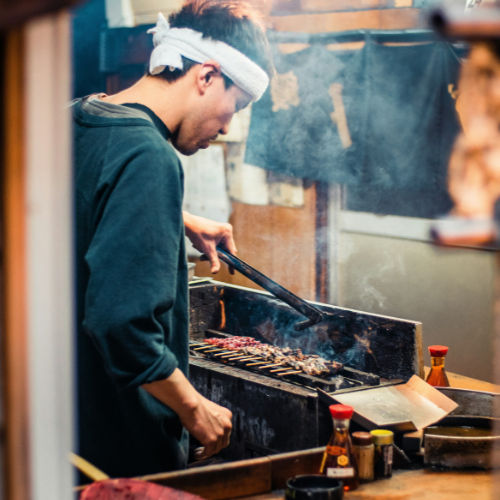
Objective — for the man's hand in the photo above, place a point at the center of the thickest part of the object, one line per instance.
(211, 425)
(206, 234)
(208, 422)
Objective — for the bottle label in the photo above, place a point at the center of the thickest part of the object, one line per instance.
(388, 454)
(347, 472)
(383, 462)
(335, 450)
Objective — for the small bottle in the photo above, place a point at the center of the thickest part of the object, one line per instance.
(383, 441)
(437, 376)
(362, 445)
(339, 460)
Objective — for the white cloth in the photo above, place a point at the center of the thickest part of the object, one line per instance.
(172, 43)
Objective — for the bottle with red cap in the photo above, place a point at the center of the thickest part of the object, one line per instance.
(437, 376)
(339, 460)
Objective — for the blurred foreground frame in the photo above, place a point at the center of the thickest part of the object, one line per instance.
(474, 169)
(36, 278)
(474, 165)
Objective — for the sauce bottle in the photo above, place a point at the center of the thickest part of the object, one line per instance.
(437, 376)
(339, 460)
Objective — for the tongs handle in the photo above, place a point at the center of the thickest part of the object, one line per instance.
(300, 305)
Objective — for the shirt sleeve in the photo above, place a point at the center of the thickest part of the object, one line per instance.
(133, 260)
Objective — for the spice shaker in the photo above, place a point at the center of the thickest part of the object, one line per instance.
(383, 441)
(364, 450)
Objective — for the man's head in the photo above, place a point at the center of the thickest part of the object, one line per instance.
(214, 97)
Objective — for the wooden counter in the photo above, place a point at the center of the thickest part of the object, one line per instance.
(462, 382)
(264, 478)
(418, 485)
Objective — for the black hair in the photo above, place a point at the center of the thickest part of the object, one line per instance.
(233, 22)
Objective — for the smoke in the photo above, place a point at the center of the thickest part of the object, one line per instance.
(368, 295)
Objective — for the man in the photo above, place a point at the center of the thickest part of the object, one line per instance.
(135, 401)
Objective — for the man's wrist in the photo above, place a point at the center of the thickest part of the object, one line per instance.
(176, 392)
(188, 223)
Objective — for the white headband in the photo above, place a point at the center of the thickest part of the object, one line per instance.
(172, 43)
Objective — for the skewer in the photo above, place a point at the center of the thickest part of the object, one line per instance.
(249, 359)
(215, 350)
(226, 352)
(289, 373)
(280, 370)
(205, 347)
(255, 364)
(270, 366)
(231, 354)
(240, 358)
(197, 343)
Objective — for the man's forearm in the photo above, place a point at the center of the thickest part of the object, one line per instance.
(176, 392)
(206, 421)
(206, 234)
(187, 218)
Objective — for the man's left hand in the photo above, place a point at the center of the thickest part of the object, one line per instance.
(205, 235)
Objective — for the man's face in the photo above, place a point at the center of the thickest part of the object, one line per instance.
(209, 116)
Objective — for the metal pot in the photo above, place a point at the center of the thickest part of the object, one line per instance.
(476, 409)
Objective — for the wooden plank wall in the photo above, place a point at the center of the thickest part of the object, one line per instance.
(278, 241)
(284, 242)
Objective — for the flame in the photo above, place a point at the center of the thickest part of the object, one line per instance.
(222, 315)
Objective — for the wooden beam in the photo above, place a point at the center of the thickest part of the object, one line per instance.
(322, 236)
(14, 335)
(220, 482)
(19, 11)
(342, 5)
(287, 465)
(345, 21)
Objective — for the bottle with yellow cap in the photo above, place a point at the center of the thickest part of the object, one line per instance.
(383, 441)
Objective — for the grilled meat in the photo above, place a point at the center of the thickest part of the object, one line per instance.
(311, 364)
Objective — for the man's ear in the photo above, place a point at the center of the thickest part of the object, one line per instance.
(209, 70)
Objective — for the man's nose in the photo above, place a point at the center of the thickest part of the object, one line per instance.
(225, 128)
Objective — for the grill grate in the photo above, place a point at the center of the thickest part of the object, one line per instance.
(345, 379)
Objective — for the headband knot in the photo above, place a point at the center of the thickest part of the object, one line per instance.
(170, 44)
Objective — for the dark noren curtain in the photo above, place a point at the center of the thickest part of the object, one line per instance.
(381, 117)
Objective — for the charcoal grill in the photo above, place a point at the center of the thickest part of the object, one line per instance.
(278, 413)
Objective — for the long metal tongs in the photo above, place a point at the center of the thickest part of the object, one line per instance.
(314, 314)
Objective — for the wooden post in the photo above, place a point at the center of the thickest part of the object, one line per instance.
(37, 358)
(14, 331)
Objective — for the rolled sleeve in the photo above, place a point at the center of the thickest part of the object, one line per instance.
(133, 261)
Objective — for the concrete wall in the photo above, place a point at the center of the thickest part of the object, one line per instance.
(449, 290)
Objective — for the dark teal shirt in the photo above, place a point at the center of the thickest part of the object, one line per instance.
(132, 296)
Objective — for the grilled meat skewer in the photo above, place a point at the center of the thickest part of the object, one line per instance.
(311, 364)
